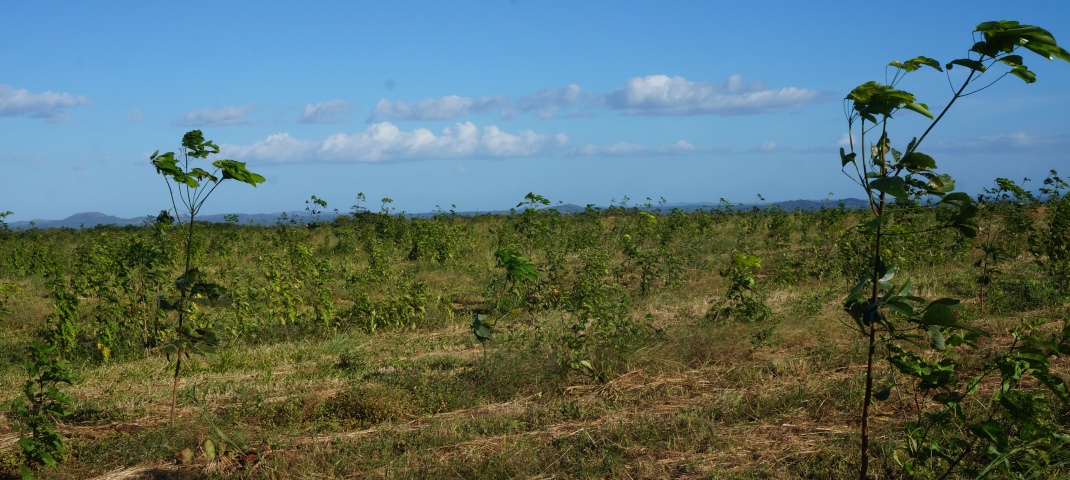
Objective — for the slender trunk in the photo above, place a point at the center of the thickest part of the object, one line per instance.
(863, 473)
(174, 387)
(182, 314)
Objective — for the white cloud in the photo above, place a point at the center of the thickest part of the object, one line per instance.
(231, 115)
(664, 95)
(649, 95)
(384, 142)
(548, 102)
(49, 106)
(444, 108)
(326, 112)
(768, 146)
(277, 148)
(624, 149)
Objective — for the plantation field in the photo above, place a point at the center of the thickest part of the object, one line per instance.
(618, 343)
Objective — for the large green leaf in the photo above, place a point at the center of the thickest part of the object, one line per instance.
(236, 170)
(894, 186)
(1022, 72)
(872, 99)
(916, 63)
(919, 108)
(936, 338)
(968, 63)
(480, 329)
(915, 162)
(939, 314)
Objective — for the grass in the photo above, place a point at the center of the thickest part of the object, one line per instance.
(416, 398)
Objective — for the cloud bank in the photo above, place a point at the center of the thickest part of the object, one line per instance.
(49, 106)
(326, 112)
(649, 95)
(385, 142)
(624, 149)
(444, 108)
(664, 95)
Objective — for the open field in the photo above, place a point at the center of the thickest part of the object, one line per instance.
(347, 349)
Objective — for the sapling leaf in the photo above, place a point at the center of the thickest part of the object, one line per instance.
(1012, 60)
(916, 63)
(919, 108)
(188, 279)
(1023, 72)
(902, 308)
(889, 274)
(938, 314)
(936, 338)
(846, 158)
(915, 162)
(480, 329)
(893, 186)
(968, 63)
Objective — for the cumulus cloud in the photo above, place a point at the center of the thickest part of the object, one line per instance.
(49, 106)
(444, 108)
(649, 95)
(769, 146)
(277, 148)
(232, 115)
(630, 149)
(385, 142)
(326, 112)
(548, 103)
(664, 95)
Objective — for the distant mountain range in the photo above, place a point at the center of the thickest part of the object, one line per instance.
(93, 219)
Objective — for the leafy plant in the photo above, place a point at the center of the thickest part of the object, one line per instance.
(4, 227)
(314, 206)
(878, 305)
(482, 331)
(42, 404)
(521, 273)
(743, 301)
(1052, 246)
(192, 187)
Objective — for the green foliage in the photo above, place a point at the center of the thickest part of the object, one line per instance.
(7, 291)
(743, 301)
(482, 331)
(1052, 245)
(880, 304)
(602, 336)
(4, 228)
(41, 406)
(193, 289)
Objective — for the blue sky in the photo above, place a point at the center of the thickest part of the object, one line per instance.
(477, 103)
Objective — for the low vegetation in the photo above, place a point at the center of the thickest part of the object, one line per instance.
(620, 342)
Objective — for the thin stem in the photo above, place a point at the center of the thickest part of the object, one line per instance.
(868, 399)
(942, 113)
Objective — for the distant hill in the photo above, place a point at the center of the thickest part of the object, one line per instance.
(93, 219)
